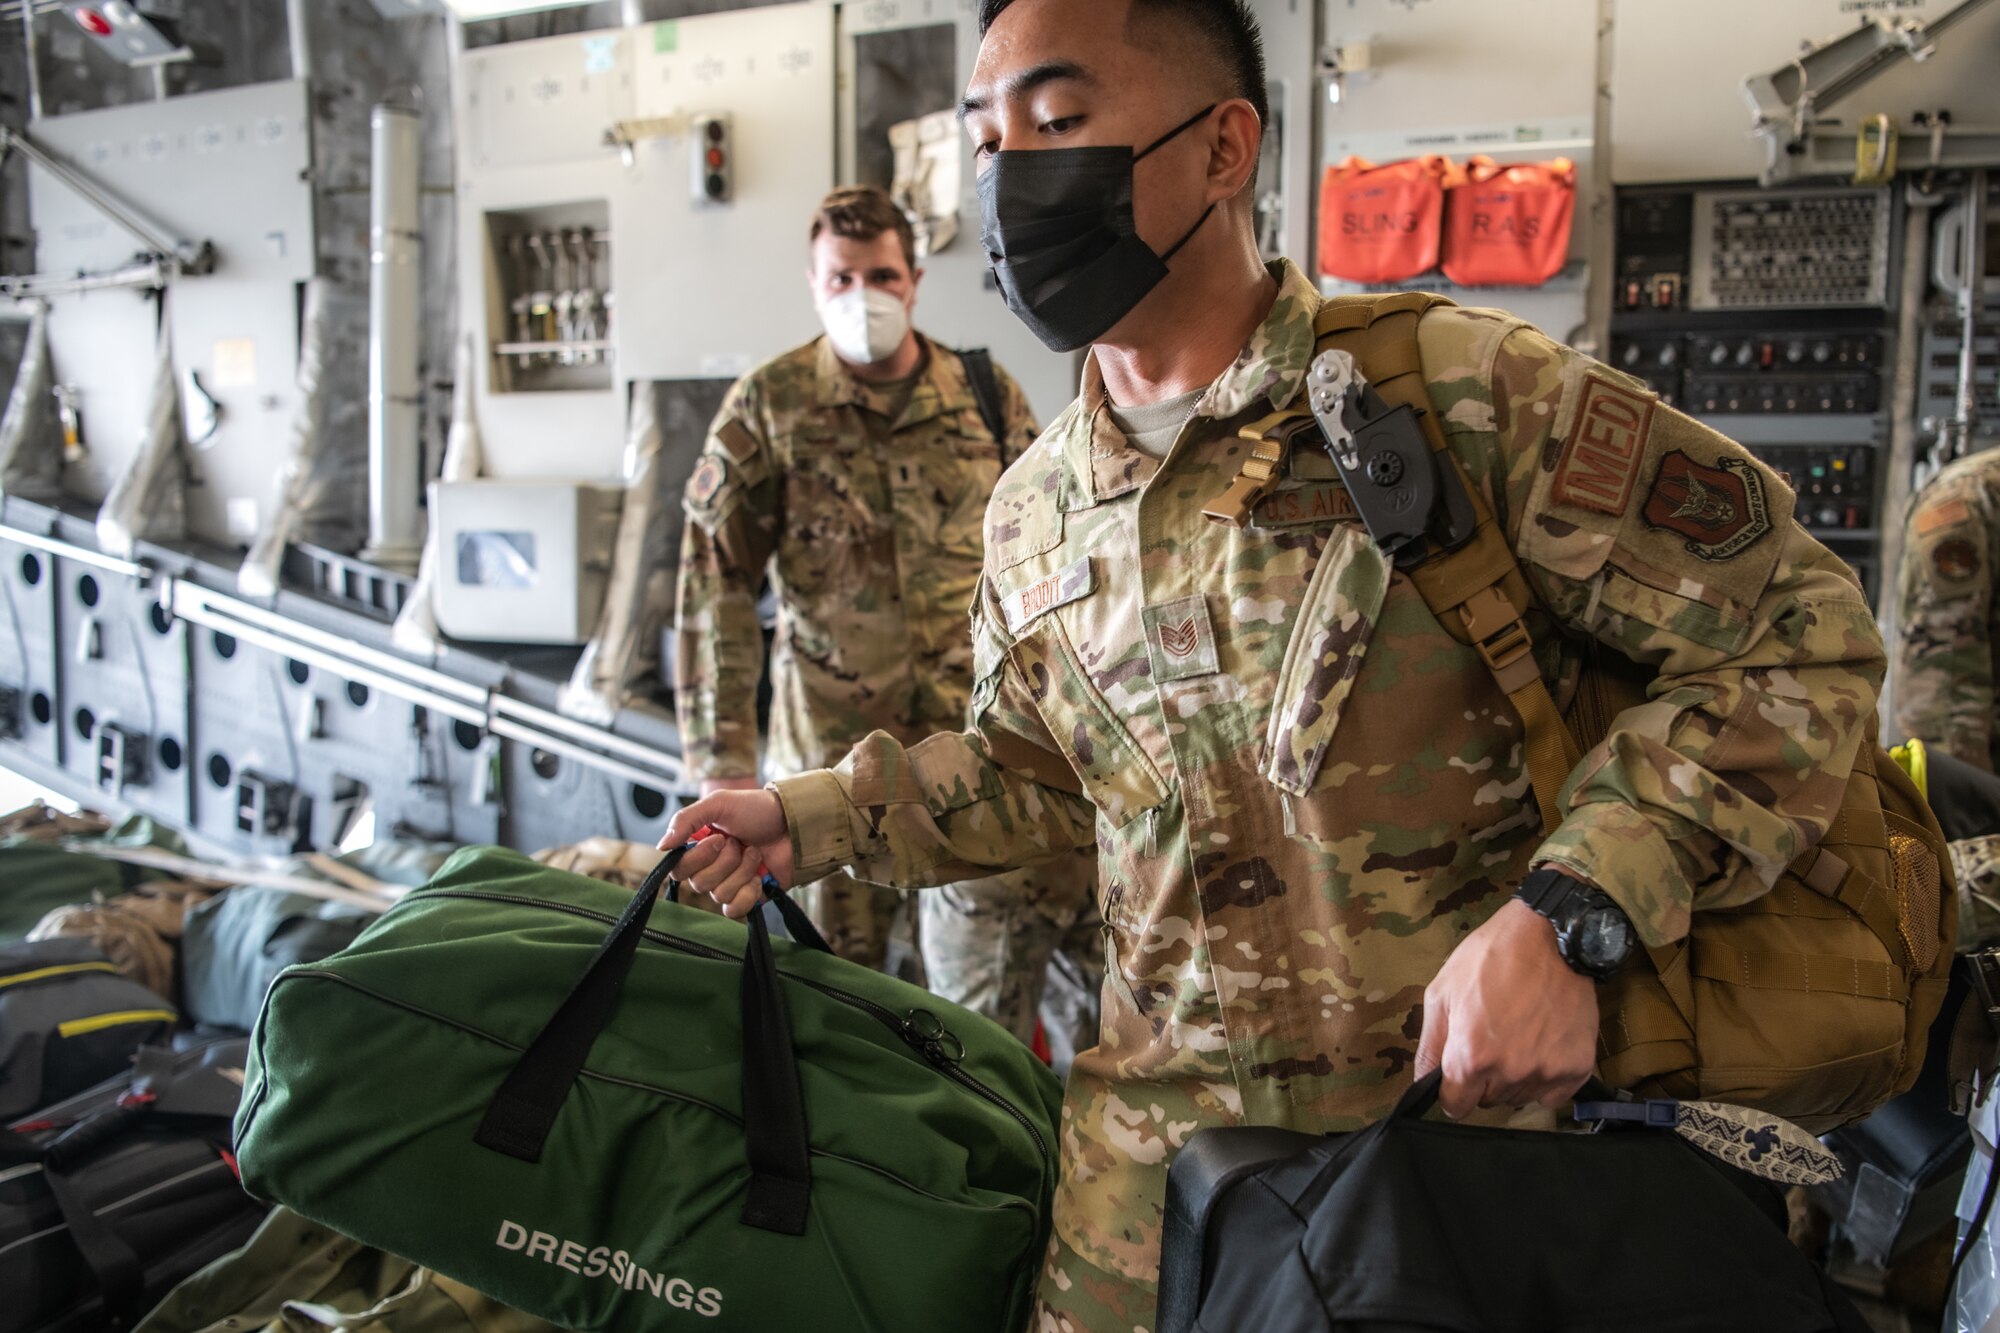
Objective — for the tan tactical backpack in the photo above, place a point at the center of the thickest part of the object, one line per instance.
(1813, 1002)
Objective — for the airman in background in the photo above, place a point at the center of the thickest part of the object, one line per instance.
(853, 473)
(1944, 692)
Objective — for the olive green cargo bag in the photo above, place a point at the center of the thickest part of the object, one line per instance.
(616, 1116)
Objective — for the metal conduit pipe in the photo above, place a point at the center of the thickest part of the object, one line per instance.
(300, 38)
(30, 55)
(1905, 433)
(395, 456)
(1971, 304)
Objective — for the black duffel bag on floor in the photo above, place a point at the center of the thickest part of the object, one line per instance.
(111, 1199)
(68, 1021)
(1414, 1226)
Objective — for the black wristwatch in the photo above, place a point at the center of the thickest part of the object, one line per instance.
(1593, 934)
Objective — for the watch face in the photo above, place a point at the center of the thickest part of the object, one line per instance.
(1603, 939)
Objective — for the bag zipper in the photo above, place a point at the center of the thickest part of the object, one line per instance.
(925, 1039)
(58, 970)
(83, 1027)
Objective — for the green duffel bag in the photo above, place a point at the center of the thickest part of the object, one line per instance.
(39, 872)
(234, 946)
(675, 1127)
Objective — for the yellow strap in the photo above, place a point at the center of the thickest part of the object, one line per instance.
(1477, 591)
(1915, 760)
(63, 970)
(78, 1027)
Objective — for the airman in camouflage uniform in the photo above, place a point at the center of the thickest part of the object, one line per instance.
(1311, 802)
(1945, 692)
(1305, 793)
(863, 505)
(1975, 869)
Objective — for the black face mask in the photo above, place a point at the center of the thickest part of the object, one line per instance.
(1057, 226)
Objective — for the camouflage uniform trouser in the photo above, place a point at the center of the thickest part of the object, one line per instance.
(991, 945)
(856, 918)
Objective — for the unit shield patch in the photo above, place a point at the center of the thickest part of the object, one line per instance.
(1956, 560)
(1721, 510)
(707, 480)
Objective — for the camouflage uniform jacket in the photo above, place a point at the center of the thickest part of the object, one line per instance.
(870, 532)
(1975, 869)
(1303, 791)
(1945, 667)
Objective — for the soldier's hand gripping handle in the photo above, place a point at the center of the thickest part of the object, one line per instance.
(1507, 1020)
(739, 837)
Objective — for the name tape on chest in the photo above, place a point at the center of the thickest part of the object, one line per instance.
(1023, 606)
(1302, 506)
(1606, 447)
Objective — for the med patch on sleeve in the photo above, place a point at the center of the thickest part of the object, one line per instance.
(1606, 447)
(1679, 522)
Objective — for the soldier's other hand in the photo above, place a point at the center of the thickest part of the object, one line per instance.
(1507, 1019)
(743, 834)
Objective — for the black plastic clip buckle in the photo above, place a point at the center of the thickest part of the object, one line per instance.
(1986, 980)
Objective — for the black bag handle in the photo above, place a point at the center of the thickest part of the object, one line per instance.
(1418, 1099)
(797, 924)
(524, 1110)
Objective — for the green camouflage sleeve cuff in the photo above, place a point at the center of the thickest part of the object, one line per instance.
(821, 820)
(1624, 853)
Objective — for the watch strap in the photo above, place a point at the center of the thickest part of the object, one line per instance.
(1547, 889)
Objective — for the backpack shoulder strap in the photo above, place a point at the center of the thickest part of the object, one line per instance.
(978, 363)
(1477, 592)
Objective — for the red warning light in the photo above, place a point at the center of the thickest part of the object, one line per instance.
(715, 159)
(91, 21)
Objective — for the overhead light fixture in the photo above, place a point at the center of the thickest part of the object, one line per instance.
(494, 9)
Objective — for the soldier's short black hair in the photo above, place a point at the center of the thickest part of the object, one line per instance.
(1225, 28)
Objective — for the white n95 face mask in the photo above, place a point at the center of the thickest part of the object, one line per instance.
(865, 324)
